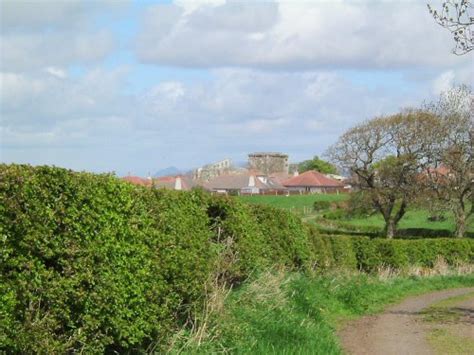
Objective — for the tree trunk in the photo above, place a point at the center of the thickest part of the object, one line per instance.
(460, 218)
(390, 228)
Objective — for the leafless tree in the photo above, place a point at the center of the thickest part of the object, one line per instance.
(451, 174)
(456, 16)
(386, 155)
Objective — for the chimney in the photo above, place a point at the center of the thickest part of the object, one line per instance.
(178, 183)
(296, 173)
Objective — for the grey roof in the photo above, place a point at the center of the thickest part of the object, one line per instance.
(240, 181)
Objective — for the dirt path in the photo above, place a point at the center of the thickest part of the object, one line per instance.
(396, 331)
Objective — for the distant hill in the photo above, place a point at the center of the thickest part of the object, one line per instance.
(171, 170)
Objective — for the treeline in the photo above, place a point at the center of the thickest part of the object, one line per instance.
(90, 263)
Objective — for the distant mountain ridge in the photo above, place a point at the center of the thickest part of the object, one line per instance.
(169, 171)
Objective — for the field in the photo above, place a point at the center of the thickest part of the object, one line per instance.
(414, 219)
(293, 202)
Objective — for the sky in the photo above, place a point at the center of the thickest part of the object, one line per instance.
(133, 87)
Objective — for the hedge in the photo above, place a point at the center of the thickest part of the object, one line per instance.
(91, 263)
(370, 254)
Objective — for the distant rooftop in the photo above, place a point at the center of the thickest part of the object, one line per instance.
(275, 154)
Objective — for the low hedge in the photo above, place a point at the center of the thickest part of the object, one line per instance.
(370, 254)
(92, 263)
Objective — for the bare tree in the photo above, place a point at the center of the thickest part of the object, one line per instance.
(451, 174)
(386, 155)
(455, 16)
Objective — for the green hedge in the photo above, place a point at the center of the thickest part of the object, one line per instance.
(370, 254)
(92, 263)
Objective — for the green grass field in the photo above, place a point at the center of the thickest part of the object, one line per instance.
(302, 204)
(293, 202)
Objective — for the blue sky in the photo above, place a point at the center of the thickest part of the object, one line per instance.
(134, 87)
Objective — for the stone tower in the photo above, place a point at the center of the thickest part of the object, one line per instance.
(269, 163)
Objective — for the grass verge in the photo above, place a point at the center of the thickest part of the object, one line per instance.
(293, 313)
(450, 327)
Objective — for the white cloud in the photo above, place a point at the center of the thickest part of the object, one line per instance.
(295, 35)
(57, 72)
(41, 34)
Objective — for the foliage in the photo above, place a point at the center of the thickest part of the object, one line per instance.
(360, 205)
(321, 205)
(386, 155)
(90, 263)
(317, 164)
(242, 245)
(449, 178)
(285, 235)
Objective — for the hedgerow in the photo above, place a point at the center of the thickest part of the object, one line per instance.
(91, 263)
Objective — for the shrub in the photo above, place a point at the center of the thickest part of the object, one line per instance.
(286, 238)
(321, 205)
(359, 205)
(236, 232)
(322, 257)
(90, 263)
(343, 252)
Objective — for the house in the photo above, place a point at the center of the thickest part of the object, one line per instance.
(178, 182)
(312, 182)
(136, 180)
(246, 184)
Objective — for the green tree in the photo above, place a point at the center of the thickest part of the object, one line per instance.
(386, 155)
(317, 164)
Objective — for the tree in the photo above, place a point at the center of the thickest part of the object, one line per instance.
(386, 156)
(451, 174)
(317, 164)
(455, 17)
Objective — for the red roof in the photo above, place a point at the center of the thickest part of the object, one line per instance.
(440, 170)
(312, 179)
(136, 180)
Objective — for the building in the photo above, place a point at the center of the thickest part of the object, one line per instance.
(244, 184)
(136, 180)
(269, 163)
(312, 182)
(180, 182)
(210, 171)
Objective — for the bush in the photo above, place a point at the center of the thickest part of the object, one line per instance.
(286, 237)
(321, 205)
(360, 205)
(345, 256)
(242, 245)
(322, 257)
(90, 263)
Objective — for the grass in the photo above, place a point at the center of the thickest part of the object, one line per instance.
(293, 202)
(414, 219)
(446, 342)
(294, 313)
(441, 317)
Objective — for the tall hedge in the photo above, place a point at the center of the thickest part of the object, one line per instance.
(92, 263)
(286, 237)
